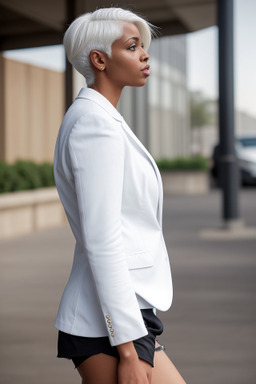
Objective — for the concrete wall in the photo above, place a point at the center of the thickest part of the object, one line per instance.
(24, 212)
(31, 110)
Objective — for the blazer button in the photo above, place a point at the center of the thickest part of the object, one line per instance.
(108, 316)
(112, 334)
(109, 325)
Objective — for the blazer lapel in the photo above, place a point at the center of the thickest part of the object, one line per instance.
(147, 154)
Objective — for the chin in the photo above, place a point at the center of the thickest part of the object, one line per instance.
(140, 83)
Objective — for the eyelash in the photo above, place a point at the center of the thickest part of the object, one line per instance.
(134, 46)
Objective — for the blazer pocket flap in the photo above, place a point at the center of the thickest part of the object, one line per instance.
(139, 260)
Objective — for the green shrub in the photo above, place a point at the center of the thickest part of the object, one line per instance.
(46, 172)
(196, 163)
(25, 175)
(7, 177)
(28, 172)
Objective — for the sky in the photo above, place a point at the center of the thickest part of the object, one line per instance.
(202, 58)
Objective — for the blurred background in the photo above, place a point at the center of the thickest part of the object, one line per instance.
(209, 223)
(182, 89)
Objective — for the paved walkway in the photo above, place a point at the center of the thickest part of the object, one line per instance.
(210, 332)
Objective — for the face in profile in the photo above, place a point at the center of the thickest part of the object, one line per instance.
(128, 63)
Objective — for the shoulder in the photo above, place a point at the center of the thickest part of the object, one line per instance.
(95, 121)
(91, 106)
(87, 118)
(94, 127)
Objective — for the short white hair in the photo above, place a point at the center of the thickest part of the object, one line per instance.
(98, 30)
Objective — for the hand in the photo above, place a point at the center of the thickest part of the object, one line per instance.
(132, 370)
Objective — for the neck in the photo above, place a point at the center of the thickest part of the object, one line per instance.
(111, 93)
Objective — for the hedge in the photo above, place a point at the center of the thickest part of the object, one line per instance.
(24, 175)
(195, 163)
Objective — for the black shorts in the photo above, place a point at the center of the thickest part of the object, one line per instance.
(79, 348)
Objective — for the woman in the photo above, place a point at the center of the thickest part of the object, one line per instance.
(111, 190)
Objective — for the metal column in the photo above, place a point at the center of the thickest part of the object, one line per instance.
(70, 16)
(229, 175)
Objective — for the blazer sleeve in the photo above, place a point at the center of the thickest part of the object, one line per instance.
(97, 154)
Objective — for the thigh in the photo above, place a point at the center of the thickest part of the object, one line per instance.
(102, 369)
(99, 369)
(164, 371)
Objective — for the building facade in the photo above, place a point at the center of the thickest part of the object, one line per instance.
(159, 112)
(32, 105)
(31, 110)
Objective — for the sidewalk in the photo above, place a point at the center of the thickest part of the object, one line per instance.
(210, 331)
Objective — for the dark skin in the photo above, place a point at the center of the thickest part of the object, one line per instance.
(124, 68)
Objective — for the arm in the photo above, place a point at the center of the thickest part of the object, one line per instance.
(97, 155)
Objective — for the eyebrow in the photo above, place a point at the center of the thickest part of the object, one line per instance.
(132, 38)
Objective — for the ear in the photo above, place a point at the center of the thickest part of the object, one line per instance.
(98, 60)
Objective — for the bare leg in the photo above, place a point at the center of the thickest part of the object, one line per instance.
(164, 372)
(102, 369)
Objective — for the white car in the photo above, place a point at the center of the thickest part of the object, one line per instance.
(246, 154)
(245, 147)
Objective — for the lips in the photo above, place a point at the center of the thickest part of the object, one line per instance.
(145, 70)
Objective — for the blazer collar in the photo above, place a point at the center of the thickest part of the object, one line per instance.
(91, 94)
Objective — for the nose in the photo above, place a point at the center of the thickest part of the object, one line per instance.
(145, 56)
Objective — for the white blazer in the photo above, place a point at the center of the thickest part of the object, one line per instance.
(112, 193)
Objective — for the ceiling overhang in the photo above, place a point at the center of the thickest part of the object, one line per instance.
(33, 23)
